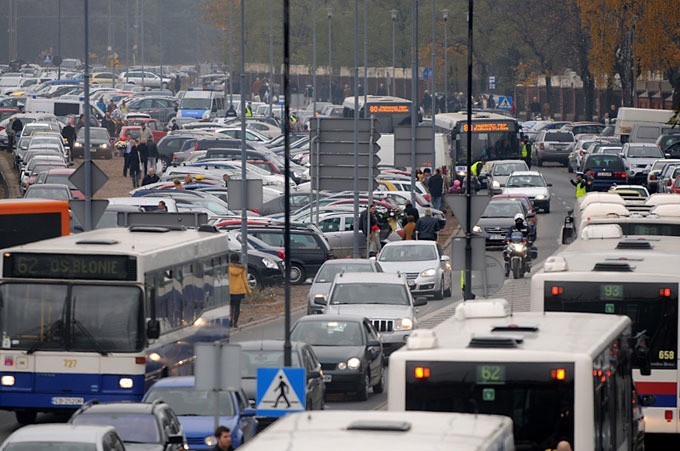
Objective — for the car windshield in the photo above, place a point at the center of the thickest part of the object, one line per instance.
(605, 162)
(62, 179)
(99, 134)
(374, 293)
(644, 152)
(525, 181)
(328, 272)
(415, 253)
(195, 104)
(51, 446)
(38, 192)
(502, 210)
(132, 427)
(188, 401)
(508, 168)
(252, 360)
(328, 333)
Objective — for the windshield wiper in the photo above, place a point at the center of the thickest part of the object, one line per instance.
(39, 344)
(98, 347)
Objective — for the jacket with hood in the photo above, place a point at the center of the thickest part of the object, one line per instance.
(238, 283)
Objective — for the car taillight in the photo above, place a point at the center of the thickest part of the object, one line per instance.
(281, 254)
(621, 175)
(542, 146)
(652, 177)
(196, 147)
(580, 153)
(427, 197)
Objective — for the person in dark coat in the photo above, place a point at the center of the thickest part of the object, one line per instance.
(143, 155)
(427, 227)
(69, 134)
(150, 177)
(410, 210)
(152, 153)
(133, 163)
(436, 186)
(368, 219)
(109, 125)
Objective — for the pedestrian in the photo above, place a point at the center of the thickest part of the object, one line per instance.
(188, 180)
(580, 184)
(10, 135)
(588, 176)
(152, 153)
(146, 133)
(606, 119)
(178, 84)
(525, 152)
(143, 155)
(257, 84)
(455, 187)
(249, 110)
(124, 108)
(173, 125)
(427, 173)
(381, 90)
(126, 154)
(435, 185)
(231, 112)
(238, 287)
(81, 123)
(225, 178)
(161, 208)
(150, 177)
(535, 108)
(133, 164)
(409, 228)
(69, 134)
(427, 227)
(613, 112)
(410, 210)
(427, 102)
(563, 445)
(101, 105)
(177, 184)
(111, 107)
(108, 124)
(374, 245)
(367, 219)
(491, 103)
(223, 437)
(17, 127)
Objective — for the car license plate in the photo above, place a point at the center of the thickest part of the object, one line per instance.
(67, 401)
(496, 237)
(604, 174)
(328, 378)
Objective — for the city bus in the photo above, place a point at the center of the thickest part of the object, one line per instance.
(102, 314)
(606, 272)
(558, 376)
(494, 137)
(26, 220)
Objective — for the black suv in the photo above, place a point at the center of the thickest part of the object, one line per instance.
(308, 247)
(154, 425)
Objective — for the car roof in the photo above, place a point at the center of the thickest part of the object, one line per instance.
(411, 243)
(60, 432)
(369, 277)
(120, 407)
(268, 345)
(345, 261)
(61, 171)
(526, 173)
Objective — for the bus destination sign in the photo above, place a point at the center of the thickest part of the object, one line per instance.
(388, 108)
(69, 266)
(489, 127)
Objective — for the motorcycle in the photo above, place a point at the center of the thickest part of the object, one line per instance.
(518, 254)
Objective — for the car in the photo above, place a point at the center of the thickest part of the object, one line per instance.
(500, 172)
(195, 409)
(349, 349)
(497, 219)
(48, 191)
(323, 280)
(675, 188)
(40, 170)
(581, 128)
(171, 143)
(144, 78)
(638, 159)
(61, 176)
(632, 191)
(666, 177)
(533, 185)
(142, 426)
(157, 107)
(607, 170)
(552, 145)
(276, 205)
(655, 171)
(269, 354)
(100, 144)
(525, 200)
(105, 78)
(669, 143)
(426, 267)
(157, 128)
(64, 437)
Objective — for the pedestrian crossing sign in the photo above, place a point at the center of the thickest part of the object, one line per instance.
(279, 391)
(504, 103)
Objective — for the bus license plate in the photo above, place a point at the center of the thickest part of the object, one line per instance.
(327, 377)
(604, 174)
(67, 401)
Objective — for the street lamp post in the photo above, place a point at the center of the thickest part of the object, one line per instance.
(59, 40)
(433, 83)
(330, 56)
(314, 60)
(445, 15)
(393, 88)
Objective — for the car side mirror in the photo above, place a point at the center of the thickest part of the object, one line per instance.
(373, 343)
(249, 412)
(175, 439)
(314, 374)
(445, 258)
(549, 184)
(320, 299)
(420, 300)
(372, 259)
(667, 155)
(153, 329)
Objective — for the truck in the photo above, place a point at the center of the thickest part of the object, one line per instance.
(628, 118)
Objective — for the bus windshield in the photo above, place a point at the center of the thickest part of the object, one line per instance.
(86, 318)
(541, 408)
(488, 146)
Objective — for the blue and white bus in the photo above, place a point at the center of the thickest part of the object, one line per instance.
(101, 315)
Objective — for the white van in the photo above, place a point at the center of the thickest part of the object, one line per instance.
(145, 203)
(62, 108)
(628, 117)
(649, 132)
(201, 105)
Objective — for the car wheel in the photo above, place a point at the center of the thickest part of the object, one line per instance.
(547, 209)
(253, 280)
(297, 274)
(362, 393)
(380, 386)
(440, 293)
(25, 417)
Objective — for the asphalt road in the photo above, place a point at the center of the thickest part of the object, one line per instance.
(516, 291)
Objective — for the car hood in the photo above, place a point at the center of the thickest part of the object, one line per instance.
(408, 267)
(319, 288)
(371, 310)
(528, 190)
(335, 354)
(496, 222)
(203, 426)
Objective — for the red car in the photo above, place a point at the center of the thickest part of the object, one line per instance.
(157, 129)
(60, 176)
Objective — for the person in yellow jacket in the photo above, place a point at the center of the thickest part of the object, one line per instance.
(238, 287)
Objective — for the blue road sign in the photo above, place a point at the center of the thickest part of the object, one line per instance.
(47, 59)
(280, 390)
(504, 103)
(427, 73)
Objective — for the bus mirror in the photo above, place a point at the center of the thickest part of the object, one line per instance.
(567, 235)
(153, 329)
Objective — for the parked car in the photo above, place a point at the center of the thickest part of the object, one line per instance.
(195, 411)
(655, 171)
(552, 145)
(142, 426)
(321, 284)
(669, 143)
(533, 185)
(144, 79)
(667, 176)
(64, 437)
(607, 170)
(349, 349)
(638, 159)
(157, 107)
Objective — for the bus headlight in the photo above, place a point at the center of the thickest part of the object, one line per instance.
(269, 263)
(125, 382)
(7, 381)
(353, 363)
(210, 440)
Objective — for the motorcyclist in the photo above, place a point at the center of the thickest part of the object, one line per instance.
(519, 225)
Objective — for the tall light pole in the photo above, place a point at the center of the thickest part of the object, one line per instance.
(109, 46)
(270, 89)
(59, 40)
(142, 41)
(314, 59)
(393, 88)
(433, 84)
(365, 59)
(445, 15)
(330, 56)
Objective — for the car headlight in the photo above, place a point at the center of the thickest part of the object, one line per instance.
(429, 272)
(496, 185)
(103, 146)
(342, 365)
(210, 440)
(404, 324)
(78, 144)
(476, 229)
(353, 363)
(540, 197)
(269, 263)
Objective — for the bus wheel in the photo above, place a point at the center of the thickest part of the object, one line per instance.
(25, 417)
